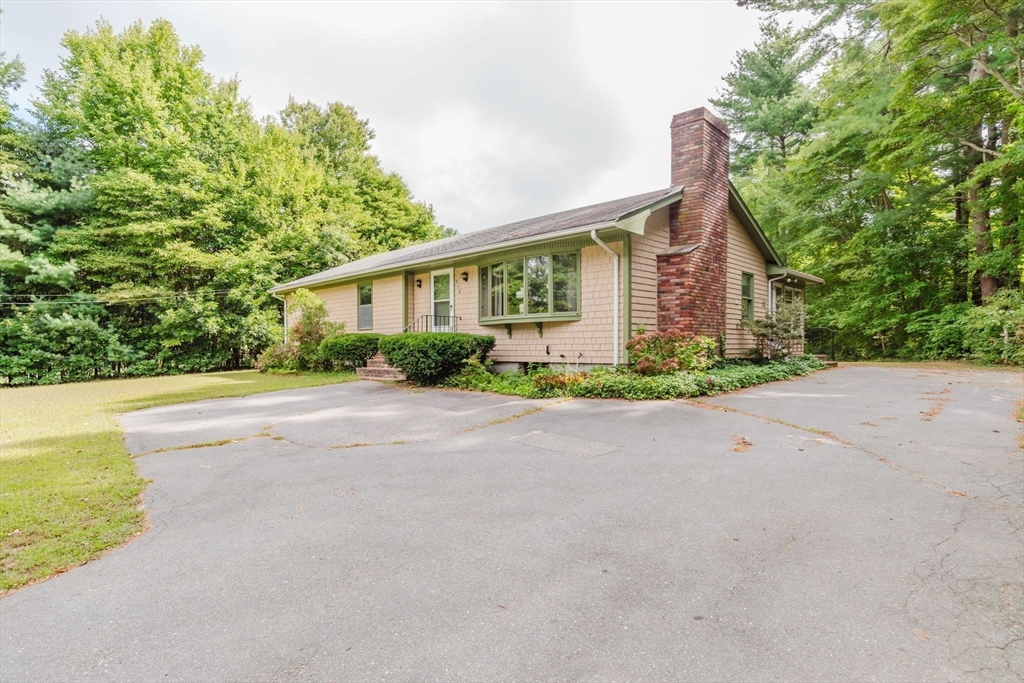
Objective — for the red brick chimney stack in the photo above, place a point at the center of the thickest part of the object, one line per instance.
(692, 283)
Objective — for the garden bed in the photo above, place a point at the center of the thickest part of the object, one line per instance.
(620, 383)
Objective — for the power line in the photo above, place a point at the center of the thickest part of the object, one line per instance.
(154, 298)
(186, 292)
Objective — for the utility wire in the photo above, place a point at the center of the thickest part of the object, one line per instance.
(155, 298)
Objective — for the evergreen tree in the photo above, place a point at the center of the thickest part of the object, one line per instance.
(764, 101)
(906, 195)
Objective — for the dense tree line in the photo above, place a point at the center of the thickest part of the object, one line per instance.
(145, 211)
(880, 146)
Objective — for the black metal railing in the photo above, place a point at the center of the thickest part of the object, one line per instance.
(434, 323)
(820, 340)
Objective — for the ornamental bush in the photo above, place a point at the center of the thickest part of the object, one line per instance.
(311, 328)
(348, 351)
(281, 357)
(776, 332)
(430, 357)
(994, 333)
(661, 352)
(603, 383)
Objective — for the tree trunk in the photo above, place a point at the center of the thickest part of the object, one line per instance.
(976, 194)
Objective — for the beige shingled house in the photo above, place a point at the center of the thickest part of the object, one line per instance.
(572, 287)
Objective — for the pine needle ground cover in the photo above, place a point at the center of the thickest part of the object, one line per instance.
(68, 488)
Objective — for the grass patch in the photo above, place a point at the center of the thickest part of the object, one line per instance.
(601, 383)
(513, 418)
(68, 489)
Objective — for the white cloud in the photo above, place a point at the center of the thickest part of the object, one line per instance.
(491, 112)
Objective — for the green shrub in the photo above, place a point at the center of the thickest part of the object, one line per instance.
(348, 351)
(942, 333)
(776, 332)
(430, 357)
(279, 357)
(603, 383)
(661, 352)
(994, 333)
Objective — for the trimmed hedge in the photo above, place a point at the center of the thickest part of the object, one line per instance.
(602, 383)
(430, 357)
(348, 351)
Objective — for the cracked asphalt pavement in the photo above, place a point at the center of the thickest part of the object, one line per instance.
(860, 524)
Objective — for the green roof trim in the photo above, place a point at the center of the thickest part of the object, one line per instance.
(747, 220)
(804, 278)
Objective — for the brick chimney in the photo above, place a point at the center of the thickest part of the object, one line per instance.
(691, 278)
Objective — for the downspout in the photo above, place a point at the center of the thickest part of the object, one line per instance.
(615, 298)
(771, 293)
(285, 314)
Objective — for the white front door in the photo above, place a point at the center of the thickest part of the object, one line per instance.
(442, 300)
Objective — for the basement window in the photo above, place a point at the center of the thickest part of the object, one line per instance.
(747, 297)
(365, 296)
(536, 287)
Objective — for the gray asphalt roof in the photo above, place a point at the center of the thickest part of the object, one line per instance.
(480, 239)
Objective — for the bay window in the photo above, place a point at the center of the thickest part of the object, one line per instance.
(530, 287)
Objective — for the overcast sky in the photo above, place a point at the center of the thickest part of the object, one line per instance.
(490, 112)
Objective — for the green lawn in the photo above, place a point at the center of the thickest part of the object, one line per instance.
(68, 489)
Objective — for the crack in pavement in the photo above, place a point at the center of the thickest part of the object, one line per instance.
(266, 433)
(919, 476)
(968, 600)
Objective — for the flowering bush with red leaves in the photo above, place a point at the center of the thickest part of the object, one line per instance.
(661, 352)
(279, 357)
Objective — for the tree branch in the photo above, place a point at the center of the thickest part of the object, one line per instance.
(984, 150)
(1018, 95)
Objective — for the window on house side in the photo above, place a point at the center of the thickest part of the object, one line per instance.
(365, 296)
(516, 295)
(541, 285)
(565, 298)
(747, 297)
(538, 296)
(497, 290)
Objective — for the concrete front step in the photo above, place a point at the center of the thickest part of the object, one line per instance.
(823, 357)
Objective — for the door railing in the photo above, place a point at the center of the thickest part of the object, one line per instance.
(820, 340)
(434, 323)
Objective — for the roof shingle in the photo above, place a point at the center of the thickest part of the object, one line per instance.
(594, 214)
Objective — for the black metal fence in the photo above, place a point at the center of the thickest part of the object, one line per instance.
(434, 323)
(820, 340)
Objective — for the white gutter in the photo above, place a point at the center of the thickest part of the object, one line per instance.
(285, 302)
(615, 297)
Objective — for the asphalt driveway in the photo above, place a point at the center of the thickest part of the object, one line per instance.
(860, 524)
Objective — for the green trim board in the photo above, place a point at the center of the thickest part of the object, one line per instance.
(533, 318)
(803, 278)
(753, 228)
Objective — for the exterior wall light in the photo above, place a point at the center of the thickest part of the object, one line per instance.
(465, 276)
(419, 284)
